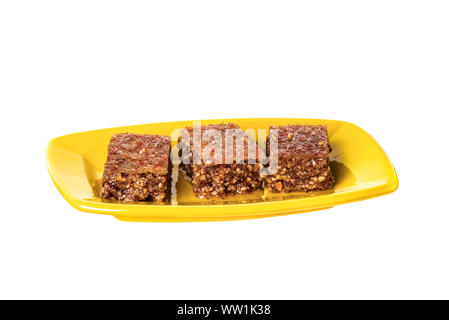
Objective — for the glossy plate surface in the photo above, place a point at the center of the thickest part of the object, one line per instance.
(361, 168)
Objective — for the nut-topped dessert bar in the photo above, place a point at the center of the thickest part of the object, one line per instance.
(218, 177)
(303, 159)
(138, 167)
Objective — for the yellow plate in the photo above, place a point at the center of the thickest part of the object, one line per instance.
(360, 166)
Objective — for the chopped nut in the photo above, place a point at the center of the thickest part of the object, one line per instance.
(279, 186)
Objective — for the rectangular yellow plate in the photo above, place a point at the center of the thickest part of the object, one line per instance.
(360, 166)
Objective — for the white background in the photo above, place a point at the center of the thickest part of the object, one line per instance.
(70, 66)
